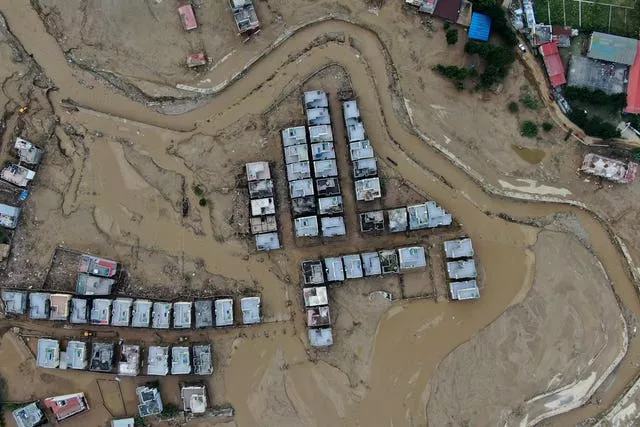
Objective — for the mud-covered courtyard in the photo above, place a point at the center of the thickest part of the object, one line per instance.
(128, 132)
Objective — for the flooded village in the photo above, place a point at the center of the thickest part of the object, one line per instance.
(274, 213)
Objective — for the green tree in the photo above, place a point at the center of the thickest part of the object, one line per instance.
(530, 101)
(529, 129)
(514, 107)
(452, 36)
(546, 126)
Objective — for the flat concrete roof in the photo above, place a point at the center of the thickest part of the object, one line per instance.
(464, 290)
(462, 269)
(412, 257)
(371, 264)
(39, 305)
(158, 360)
(250, 310)
(129, 363)
(203, 313)
(294, 136)
(334, 269)
(460, 248)
(182, 315)
(224, 312)
(59, 306)
(332, 226)
(320, 133)
(315, 296)
(321, 337)
(161, 317)
(306, 226)
(79, 310)
(180, 360)
(141, 313)
(15, 302)
(76, 355)
(352, 266)
(100, 311)
(121, 311)
(258, 171)
(48, 353)
(267, 241)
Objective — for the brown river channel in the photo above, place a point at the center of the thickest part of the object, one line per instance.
(402, 360)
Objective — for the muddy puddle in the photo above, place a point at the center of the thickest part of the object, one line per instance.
(529, 155)
(412, 337)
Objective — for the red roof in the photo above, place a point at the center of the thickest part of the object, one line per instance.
(66, 406)
(188, 17)
(559, 30)
(553, 62)
(633, 89)
(448, 9)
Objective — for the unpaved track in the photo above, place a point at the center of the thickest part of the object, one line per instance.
(370, 75)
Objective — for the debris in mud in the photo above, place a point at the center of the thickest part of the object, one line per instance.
(384, 294)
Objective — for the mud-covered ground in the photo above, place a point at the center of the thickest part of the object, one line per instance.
(114, 186)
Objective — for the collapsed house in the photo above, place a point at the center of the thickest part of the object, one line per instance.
(129, 363)
(312, 272)
(29, 416)
(371, 221)
(149, 401)
(102, 355)
(28, 153)
(202, 360)
(315, 296)
(9, 216)
(17, 175)
(318, 316)
(194, 399)
(610, 169)
(244, 14)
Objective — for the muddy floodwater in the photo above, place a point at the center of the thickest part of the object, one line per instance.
(412, 337)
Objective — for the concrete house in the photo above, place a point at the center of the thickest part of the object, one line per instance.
(318, 316)
(323, 151)
(312, 272)
(263, 224)
(410, 258)
(315, 296)
(180, 360)
(461, 269)
(224, 312)
(353, 121)
(261, 189)
(296, 154)
(79, 310)
(93, 285)
(203, 313)
(102, 355)
(100, 311)
(245, 17)
(299, 170)
(17, 175)
(28, 153)
(48, 353)
(149, 401)
(97, 266)
(76, 355)
(368, 189)
(158, 361)
(306, 226)
(328, 187)
(59, 306)
(320, 133)
(194, 399)
(427, 215)
(38, 305)
(332, 226)
(330, 205)
(261, 207)
(267, 241)
(325, 168)
(371, 264)
(121, 311)
(397, 220)
(141, 313)
(250, 310)
(365, 168)
(161, 317)
(334, 269)
(29, 416)
(301, 188)
(258, 171)
(464, 290)
(389, 261)
(352, 266)
(315, 99)
(9, 216)
(304, 206)
(371, 221)
(182, 315)
(202, 360)
(360, 150)
(318, 116)
(460, 248)
(15, 302)
(294, 136)
(129, 363)
(321, 337)
(66, 406)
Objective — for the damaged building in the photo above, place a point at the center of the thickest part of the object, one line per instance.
(15, 302)
(129, 362)
(102, 355)
(202, 360)
(315, 296)
(318, 316)
(372, 221)
(203, 313)
(312, 272)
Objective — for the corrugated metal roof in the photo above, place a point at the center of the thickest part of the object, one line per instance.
(480, 27)
(608, 47)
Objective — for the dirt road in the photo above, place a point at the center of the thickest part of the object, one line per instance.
(398, 348)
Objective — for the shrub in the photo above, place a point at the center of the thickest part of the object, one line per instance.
(197, 190)
(514, 107)
(202, 201)
(546, 126)
(529, 129)
(447, 25)
(460, 86)
(530, 101)
(452, 36)
(452, 72)
(170, 410)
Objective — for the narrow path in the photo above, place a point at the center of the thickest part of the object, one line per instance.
(371, 76)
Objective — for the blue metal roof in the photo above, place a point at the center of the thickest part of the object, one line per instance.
(480, 27)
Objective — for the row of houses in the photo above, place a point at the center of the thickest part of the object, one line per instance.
(365, 169)
(410, 218)
(125, 359)
(263, 222)
(58, 408)
(312, 172)
(18, 175)
(461, 269)
(127, 312)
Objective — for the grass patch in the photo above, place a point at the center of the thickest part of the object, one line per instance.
(595, 16)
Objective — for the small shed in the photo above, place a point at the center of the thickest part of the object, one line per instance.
(196, 60)
(480, 27)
